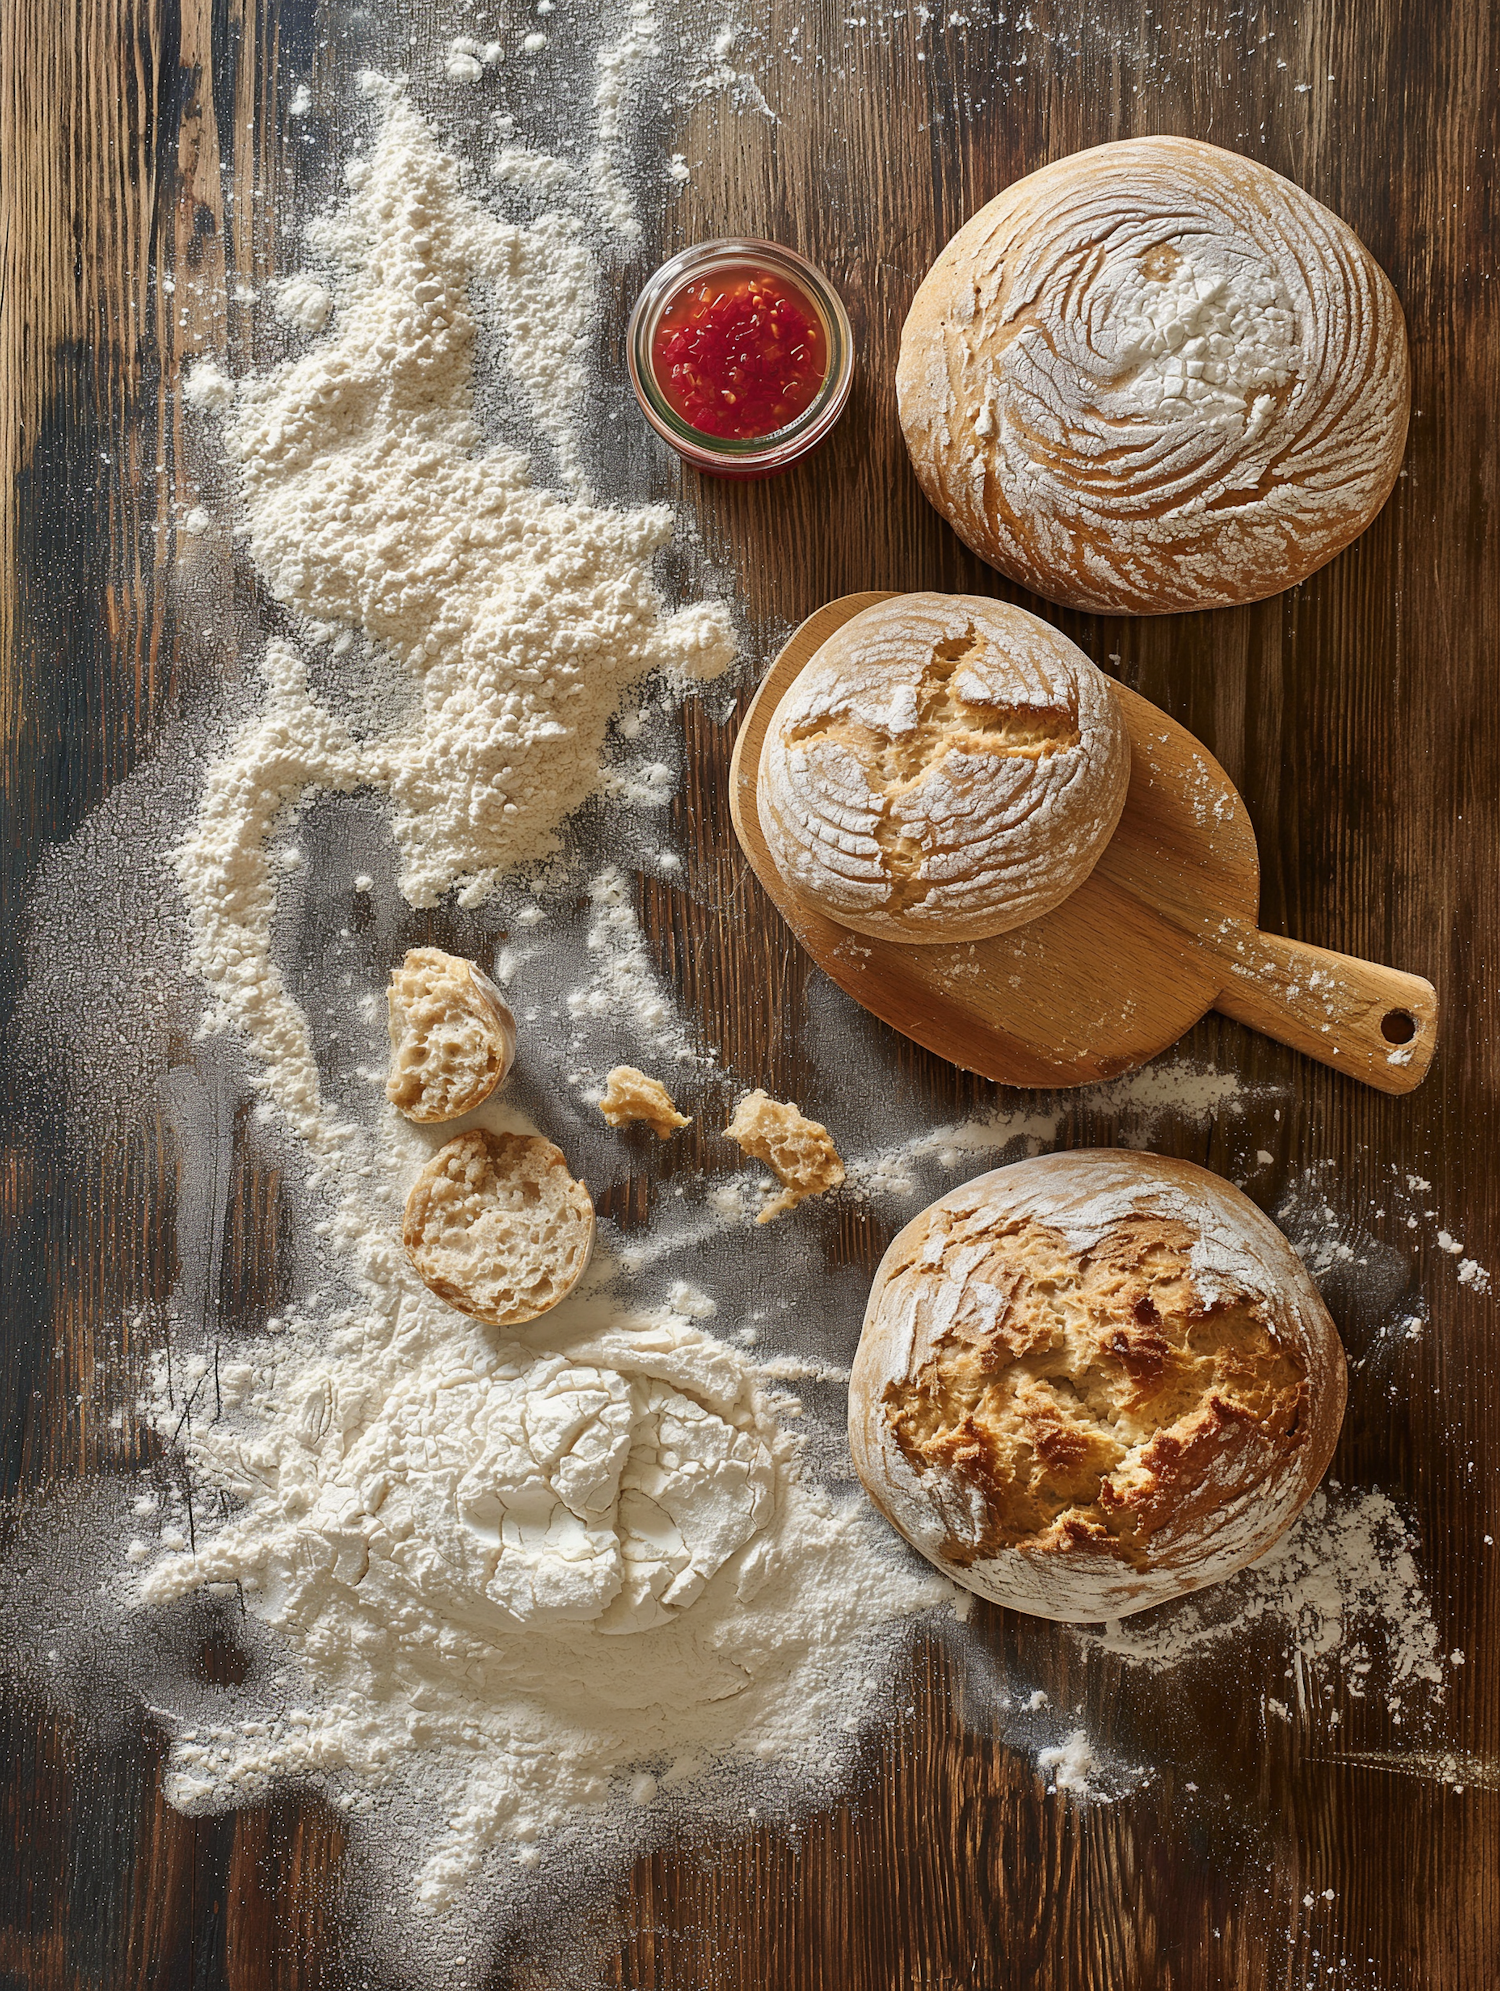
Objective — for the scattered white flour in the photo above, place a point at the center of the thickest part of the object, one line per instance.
(619, 69)
(197, 522)
(302, 303)
(1138, 1102)
(1342, 1585)
(536, 1576)
(1070, 1764)
(300, 102)
(466, 59)
(1212, 339)
(625, 982)
(521, 618)
(535, 1567)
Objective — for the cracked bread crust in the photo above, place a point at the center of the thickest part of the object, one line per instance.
(453, 1037)
(945, 767)
(1155, 376)
(1093, 1382)
(497, 1227)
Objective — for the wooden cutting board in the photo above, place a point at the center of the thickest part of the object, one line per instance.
(1163, 930)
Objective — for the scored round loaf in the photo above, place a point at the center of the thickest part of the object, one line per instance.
(943, 768)
(1093, 1382)
(453, 1037)
(496, 1226)
(1155, 376)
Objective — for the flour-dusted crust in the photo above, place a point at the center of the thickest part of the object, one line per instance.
(1155, 376)
(631, 1096)
(799, 1151)
(497, 1227)
(944, 767)
(1093, 1382)
(453, 1037)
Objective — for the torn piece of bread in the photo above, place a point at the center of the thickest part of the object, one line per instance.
(453, 1039)
(630, 1096)
(497, 1227)
(800, 1151)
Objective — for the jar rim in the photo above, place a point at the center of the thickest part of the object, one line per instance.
(750, 452)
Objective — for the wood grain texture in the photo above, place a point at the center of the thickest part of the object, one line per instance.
(1355, 715)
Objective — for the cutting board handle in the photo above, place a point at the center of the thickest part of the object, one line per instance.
(1372, 1022)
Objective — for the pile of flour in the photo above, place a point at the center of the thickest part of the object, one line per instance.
(579, 1568)
(516, 619)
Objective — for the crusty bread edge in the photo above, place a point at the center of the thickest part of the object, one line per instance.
(1078, 1586)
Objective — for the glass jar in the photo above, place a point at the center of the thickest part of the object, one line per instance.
(740, 259)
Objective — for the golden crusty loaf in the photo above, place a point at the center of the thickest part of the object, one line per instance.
(943, 768)
(1155, 376)
(497, 1227)
(1092, 1382)
(453, 1038)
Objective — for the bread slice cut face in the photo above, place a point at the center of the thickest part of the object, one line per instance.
(498, 1228)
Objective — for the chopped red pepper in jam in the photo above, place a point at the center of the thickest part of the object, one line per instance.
(740, 354)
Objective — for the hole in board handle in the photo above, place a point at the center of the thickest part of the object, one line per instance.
(1398, 1026)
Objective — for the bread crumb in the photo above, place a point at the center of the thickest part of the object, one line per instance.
(629, 1096)
(800, 1151)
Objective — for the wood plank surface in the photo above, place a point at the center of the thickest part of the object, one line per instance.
(1356, 715)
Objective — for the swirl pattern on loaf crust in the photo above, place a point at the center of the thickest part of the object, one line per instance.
(1155, 376)
(944, 768)
(1092, 1382)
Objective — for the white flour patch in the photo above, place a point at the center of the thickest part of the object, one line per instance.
(1074, 1769)
(1342, 1587)
(625, 982)
(1138, 1103)
(520, 619)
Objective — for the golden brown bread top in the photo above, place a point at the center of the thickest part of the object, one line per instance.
(1093, 1381)
(1089, 1398)
(943, 768)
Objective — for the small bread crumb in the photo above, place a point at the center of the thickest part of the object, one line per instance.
(630, 1095)
(800, 1151)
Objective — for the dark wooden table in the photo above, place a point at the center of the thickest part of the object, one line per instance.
(1356, 713)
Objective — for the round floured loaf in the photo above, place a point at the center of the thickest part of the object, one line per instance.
(943, 768)
(1155, 376)
(497, 1227)
(1093, 1382)
(453, 1037)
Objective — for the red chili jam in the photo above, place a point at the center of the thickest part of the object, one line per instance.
(739, 354)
